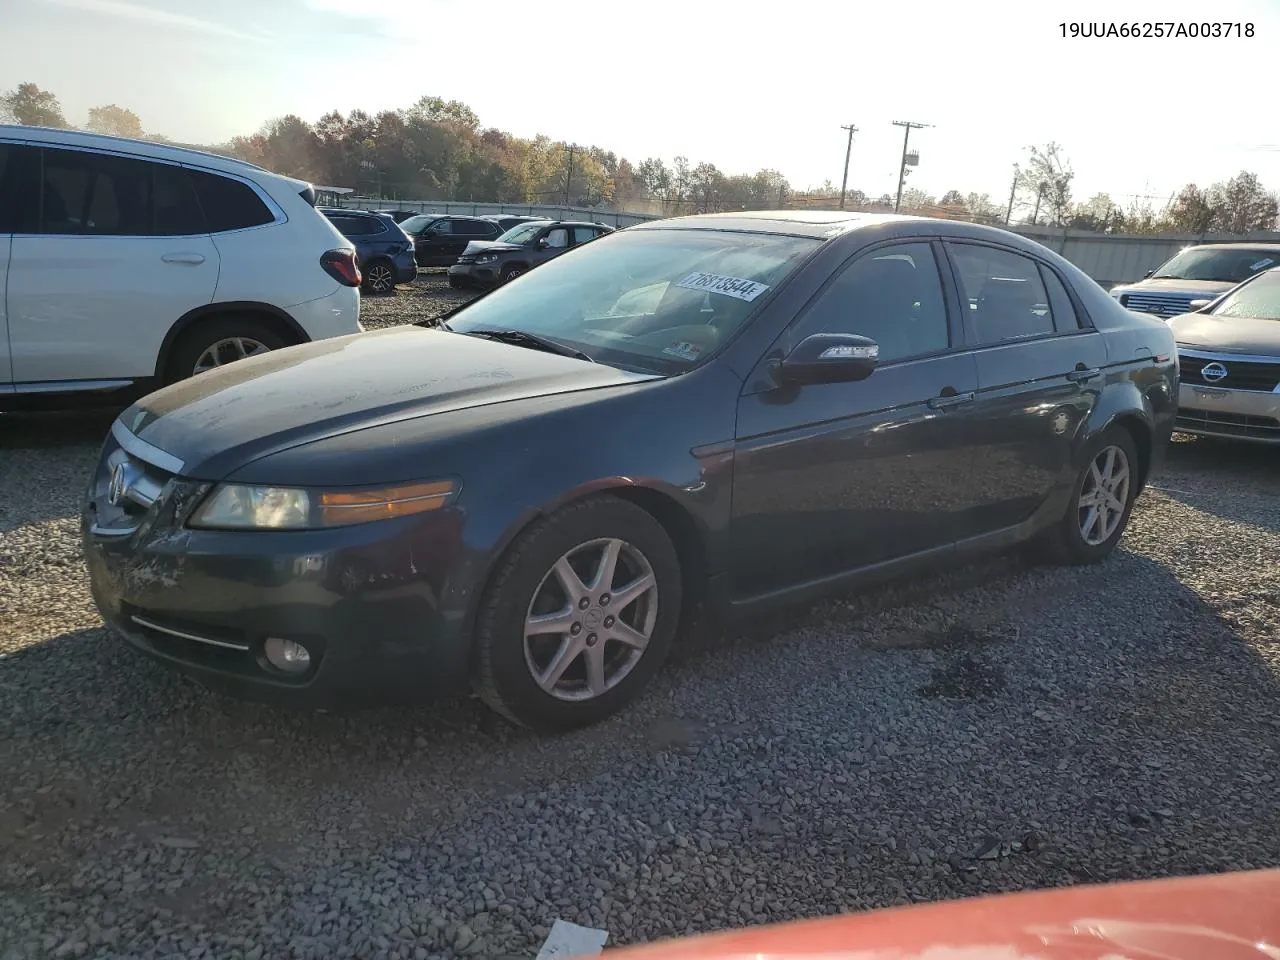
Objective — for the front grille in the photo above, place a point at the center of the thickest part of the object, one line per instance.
(1161, 304)
(1261, 375)
(1229, 424)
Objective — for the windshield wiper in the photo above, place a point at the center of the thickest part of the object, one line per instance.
(521, 339)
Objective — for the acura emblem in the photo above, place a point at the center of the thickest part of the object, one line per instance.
(118, 486)
(1213, 372)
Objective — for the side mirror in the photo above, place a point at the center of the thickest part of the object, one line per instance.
(829, 358)
(1147, 274)
(1198, 304)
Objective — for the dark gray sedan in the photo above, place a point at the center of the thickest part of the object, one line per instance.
(520, 249)
(705, 416)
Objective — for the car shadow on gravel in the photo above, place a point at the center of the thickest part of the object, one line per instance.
(1232, 467)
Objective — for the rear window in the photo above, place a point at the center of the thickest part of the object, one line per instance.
(229, 204)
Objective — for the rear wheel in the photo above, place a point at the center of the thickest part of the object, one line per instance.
(216, 343)
(579, 616)
(379, 277)
(1101, 501)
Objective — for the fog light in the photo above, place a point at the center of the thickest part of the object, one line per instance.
(286, 655)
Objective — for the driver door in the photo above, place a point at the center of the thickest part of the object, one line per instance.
(832, 478)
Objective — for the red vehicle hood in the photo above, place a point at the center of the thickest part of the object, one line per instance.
(1227, 917)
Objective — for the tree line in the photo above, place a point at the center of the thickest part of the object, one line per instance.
(439, 150)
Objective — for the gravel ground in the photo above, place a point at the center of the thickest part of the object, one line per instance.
(997, 729)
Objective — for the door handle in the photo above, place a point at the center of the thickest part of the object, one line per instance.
(1083, 374)
(190, 259)
(945, 401)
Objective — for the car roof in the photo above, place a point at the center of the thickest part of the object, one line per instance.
(819, 224)
(134, 147)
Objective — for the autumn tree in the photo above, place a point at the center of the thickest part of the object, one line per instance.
(115, 121)
(1241, 205)
(1190, 212)
(1097, 213)
(1048, 176)
(27, 104)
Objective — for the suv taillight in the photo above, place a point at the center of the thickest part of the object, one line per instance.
(341, 265)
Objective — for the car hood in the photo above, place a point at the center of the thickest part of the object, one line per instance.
(490, 246)
(1200, 288)
(219, 421)
(1230, 334)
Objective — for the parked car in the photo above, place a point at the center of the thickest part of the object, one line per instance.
(507, 222)
(383, 251)
(439, 240)
(128, 265)
(1196, 274)
(707, 416)
(1229, 355)
(399, 216)
(1225, 916)
(486, 262)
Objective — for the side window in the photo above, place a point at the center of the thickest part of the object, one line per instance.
(583, 234)
(1006, 297)
(94, 194)
(893, 295)
(558, 238)
(19, 189)
(443, 228)
(176, 209)
(228, 204)
(1064, 313)
(343, 225)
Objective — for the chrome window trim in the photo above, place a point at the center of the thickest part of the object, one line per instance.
(144, 451)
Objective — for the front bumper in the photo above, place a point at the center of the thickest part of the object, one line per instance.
(1251, 415)
(369, 601)
(479, 274)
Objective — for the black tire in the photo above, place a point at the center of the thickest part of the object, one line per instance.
(1065, 542)
(503, 676)
(457, 282)
(193, 343)
(379, 277)
(510, 272)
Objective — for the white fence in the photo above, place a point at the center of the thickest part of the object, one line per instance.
(1107, 258)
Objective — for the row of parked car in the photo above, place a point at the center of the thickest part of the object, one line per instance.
(479, 251)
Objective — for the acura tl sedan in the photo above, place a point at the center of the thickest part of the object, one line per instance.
(693, 418)
(1229, 356)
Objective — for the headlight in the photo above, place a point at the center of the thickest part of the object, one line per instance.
(486, 258)
(234, 506)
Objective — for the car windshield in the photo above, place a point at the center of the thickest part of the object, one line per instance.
(416, 224)
(1258, 300)
(521, 233)
(1227, 265)
(660, 301)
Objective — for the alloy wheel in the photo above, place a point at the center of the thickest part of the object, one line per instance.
(1104, 496)
(591, 619)
(228, 350)
(380, 278)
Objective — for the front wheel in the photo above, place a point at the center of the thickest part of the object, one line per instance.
(510, 273)
(1101, 501)
(579, 616)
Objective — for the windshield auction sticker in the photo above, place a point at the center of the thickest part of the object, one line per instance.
(734, 287)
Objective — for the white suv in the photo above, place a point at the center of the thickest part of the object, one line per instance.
(127, 265)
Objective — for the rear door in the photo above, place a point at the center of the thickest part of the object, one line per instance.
(19, 170)
(120, 253)
(1040, 368)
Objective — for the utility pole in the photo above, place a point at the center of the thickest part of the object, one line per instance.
(1013, 192)
(568, 177)
(908, 126)
(847, 150)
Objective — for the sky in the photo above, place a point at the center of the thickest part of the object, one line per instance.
(738, 83)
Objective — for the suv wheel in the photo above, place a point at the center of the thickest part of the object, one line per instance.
(379, 277)
(207, 346)
(510, 273)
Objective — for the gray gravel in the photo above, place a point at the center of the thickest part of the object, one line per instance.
(997, 729)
